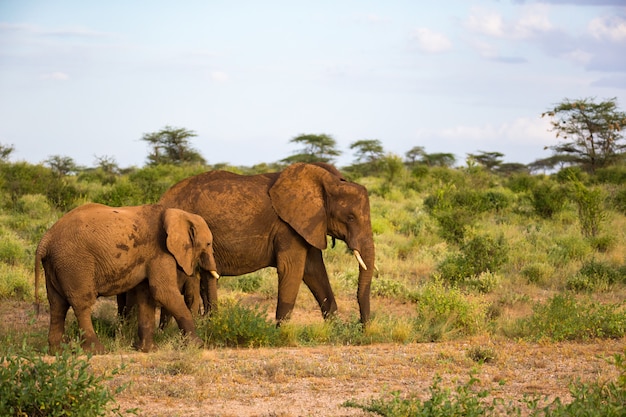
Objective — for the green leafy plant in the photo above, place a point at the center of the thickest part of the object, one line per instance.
(594, 276)
(238, 326)
(32, 385)
(562, 317)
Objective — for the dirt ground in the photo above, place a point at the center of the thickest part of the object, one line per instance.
(317, 381)
(291, 382)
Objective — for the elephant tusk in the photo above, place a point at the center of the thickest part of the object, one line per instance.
(358, 258)
(215, 274)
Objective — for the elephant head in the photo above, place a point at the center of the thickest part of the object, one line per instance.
(189, 240)
(317, 202)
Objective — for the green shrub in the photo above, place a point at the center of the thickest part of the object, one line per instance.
(619, 201)
(591, 211)
(569, 248)
(386, 287)
(477, 256)
(562, 317)
(245, 283)
(12, 249)
(537, 273)
(548, 199)
(594, 276)
(31, 385)
(235, 325)
(122, 193)
(467, 399)
(15, 282)
(444, 313)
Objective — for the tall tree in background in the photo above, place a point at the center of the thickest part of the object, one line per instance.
(417, 155)
(172, 146)
(5, 152)
(591, 131)
(317, 148)
(368, 150)
(490, 160)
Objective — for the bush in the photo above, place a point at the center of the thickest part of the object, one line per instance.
(245, 283)
(594, 276)
(537, 273)
(548, 199)
(33, 386)
(15, 282)
(478, 256)
(564, 318)
(444, 313)
(234, 325)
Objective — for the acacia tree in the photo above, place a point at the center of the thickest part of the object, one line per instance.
(591, 131)
(172, 146)
(5, 152)
(489, 160)
(317, 148)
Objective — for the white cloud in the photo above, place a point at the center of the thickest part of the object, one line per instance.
(485, 22)
(57, 76)
(219, 77)
(430, 41)
(611, 28)
(532, 20)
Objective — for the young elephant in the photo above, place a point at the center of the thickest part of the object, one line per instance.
(96, 250)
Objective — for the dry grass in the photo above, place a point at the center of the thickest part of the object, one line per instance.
(316, 381)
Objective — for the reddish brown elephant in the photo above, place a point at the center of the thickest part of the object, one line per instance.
(96, 250)
(282, 220)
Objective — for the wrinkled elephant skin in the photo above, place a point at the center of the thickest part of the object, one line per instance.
(282, 220)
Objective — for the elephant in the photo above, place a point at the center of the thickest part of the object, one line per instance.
(96, 250)
(282, 220)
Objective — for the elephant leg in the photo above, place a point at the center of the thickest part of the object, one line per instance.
(146, 307)
(83, 315)
(172, 300)
(58, 312)
(316, 278)
(290, 272)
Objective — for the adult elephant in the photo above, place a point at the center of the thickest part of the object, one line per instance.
(96, 250)
(282, 220)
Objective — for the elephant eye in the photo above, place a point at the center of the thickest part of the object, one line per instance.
(351, 218)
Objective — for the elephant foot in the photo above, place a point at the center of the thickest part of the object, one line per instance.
(143, 346)
(94, 347)
(193, 340)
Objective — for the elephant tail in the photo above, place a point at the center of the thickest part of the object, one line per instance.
(41, 253)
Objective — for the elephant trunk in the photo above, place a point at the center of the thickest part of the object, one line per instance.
(208, 264)
(366, 272)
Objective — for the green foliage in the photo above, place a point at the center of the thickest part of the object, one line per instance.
(32, 385)
(478, 256)
(15, 282)
(594, 276)
(563, 317)
(235, 325)
(548, 199)
(248, 283)
(590, 203)
(537, 272)
(605, 398)
(467, 399)
(445, 313)
(22, 178)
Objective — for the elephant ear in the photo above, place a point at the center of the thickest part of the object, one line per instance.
(298, 197)
(180, 238)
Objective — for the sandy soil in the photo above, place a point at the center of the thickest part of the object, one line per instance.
(318, 381)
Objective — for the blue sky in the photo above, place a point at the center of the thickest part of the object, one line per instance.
(88, 79)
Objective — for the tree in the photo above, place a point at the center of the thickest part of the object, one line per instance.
(172, 146)
(5, 152)
(489, 160)
(368, 150)
(62, 165)
(591, 131)
(417, 155)
(317, 148)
